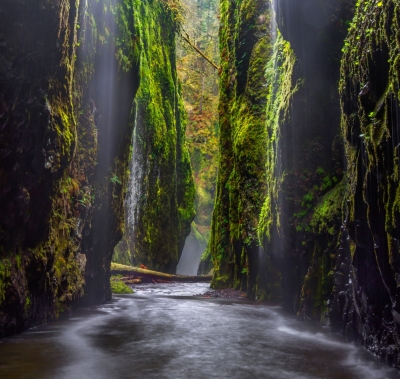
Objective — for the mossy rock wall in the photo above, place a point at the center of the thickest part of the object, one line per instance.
(304, 150)
(278, 209)
(245, 47)
(38, 142)
(57, 162)
(160, 204)
(365, 305)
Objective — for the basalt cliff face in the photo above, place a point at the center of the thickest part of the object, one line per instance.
(317, 227)
(69, 77)
(245, 45)
(161, 191)
(39, 256)
(301, 218)
(350, 255)
(279, 198)
(365, 303)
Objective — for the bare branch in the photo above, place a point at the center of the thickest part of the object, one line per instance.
(194, 47)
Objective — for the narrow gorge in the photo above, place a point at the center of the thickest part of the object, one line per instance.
(261, 135)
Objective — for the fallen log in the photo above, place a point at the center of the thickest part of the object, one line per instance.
(132, 281)
(148, 276)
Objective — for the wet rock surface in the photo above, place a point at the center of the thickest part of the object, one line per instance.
(55, 186)
(228, 293)
(364, 305)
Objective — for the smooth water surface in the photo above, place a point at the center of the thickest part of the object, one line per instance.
(162, 331)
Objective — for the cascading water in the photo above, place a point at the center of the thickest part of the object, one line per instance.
(133, 189)
(191, 255)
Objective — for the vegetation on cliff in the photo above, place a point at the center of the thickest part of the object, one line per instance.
(245, 46)
(301, 217)
(278, 209)
(161, 190)
(329, 238)
(41, 268)
(369, 255)
(118, 286)
(290, 221)
(67, 117)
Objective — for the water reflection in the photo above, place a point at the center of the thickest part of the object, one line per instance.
(162, 331)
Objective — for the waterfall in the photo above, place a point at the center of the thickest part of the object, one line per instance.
(191, 254)
(134, 191)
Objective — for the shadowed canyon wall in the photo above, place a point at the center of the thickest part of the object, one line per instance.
(281, 152)
(39, 257)
(365, 303)
(325, 200)
(69, 75)
(302, 214)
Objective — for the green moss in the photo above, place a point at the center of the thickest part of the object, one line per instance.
(328, 210)
(122, 253)
(119, 287)
(52, 119)
(164, 194)
(220, 282)
(127, 43)
(317, 283)
(281, 89)
(245, 48)
(27, 305)
(369, 88)
(5, 271)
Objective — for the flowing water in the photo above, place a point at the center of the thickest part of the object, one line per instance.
(190, 259)
(163, 331)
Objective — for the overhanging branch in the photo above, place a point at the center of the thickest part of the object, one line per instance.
(186, 38)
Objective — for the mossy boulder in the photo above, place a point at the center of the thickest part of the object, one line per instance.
(118, 287)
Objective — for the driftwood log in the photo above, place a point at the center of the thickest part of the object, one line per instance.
(149, 276)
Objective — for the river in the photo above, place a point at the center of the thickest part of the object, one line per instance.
(164, 332)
